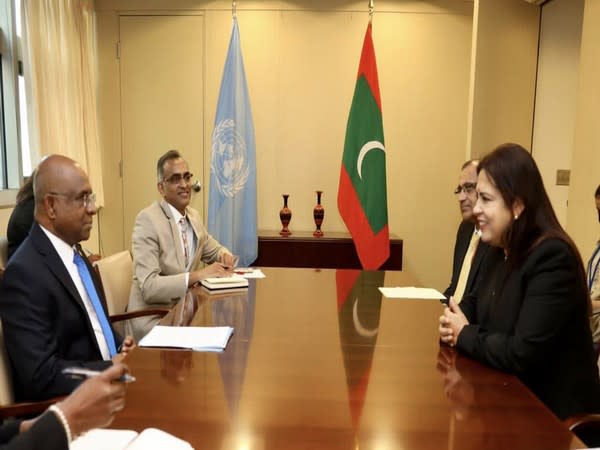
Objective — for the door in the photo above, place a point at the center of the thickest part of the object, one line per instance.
(162, 103)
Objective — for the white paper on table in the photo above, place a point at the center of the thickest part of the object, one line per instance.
(155, 439)
(149, 439)
(196, 338)
(412, 292)
(251, 273)
(99, 439)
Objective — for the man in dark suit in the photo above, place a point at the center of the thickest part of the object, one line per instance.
(469, 252)
(52, 313)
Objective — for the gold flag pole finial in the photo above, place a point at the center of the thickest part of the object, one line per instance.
(233, 9)
(371, 10)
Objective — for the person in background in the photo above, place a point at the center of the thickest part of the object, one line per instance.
(92, 405)
(21, 218)
(52, 310)
(170, 244)
(530, 313)
(593, 279)
(469, 251)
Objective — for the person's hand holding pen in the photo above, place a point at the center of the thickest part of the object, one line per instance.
(94, 403)
(230, 261)
(223, 268)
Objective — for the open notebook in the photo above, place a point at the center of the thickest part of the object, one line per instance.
(196, 338)
(149, 439)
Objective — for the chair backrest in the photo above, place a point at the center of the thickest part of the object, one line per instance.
(587, 428)
(6, 392)
(3, 251)
(116, 273)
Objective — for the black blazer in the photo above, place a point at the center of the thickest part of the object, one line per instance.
(463, 238)
(19, 224)
(46, 433)
(46, 326)
(533, 322)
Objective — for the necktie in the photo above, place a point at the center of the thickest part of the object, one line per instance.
(465, 269)
(86, 278)
(184, 225)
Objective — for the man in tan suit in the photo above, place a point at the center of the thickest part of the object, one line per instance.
(169, 245)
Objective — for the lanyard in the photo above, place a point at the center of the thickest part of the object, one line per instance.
(592, 273)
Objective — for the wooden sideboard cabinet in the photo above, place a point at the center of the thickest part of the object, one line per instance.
(335, 250)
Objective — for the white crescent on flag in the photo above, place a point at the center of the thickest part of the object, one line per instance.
(371, 145)
(360, 329)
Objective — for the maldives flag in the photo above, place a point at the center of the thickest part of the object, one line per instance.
(362, 196)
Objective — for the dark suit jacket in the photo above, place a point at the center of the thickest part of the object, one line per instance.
(46, 326)
(463, 238)
(46, 433)
(533, 322)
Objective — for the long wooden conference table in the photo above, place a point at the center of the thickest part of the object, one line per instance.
(319, 360)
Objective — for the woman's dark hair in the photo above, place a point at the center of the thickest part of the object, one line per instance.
(515, 174)
(26, 191)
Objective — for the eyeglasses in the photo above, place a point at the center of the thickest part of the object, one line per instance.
(87, 199)
(467, 188)
(176, 178)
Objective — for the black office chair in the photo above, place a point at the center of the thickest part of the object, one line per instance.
(587, 428)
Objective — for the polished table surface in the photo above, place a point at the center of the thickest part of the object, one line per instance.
(319, 360)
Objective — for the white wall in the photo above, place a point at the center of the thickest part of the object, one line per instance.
(556, 95)
(504, 64)
(582, 219)
(301, 60)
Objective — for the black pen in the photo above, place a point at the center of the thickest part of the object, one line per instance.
(81, 373)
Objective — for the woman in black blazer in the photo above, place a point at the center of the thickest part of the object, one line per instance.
(529, 315)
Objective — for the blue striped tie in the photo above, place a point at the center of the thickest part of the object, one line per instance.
(84, 274)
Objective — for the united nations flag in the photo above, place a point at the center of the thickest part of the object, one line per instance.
(232, 193)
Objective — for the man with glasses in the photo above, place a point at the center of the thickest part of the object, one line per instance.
(468, 250)
(169, 245)
(52, 310)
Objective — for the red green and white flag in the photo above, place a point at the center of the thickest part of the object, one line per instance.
(362, 192)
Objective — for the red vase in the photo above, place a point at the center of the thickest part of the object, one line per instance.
(285, 214)
(318, 214)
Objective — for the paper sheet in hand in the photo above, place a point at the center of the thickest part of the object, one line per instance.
(149, 439)
(412, 292)
(210, 339)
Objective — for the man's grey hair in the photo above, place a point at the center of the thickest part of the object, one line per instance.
(475, 162)
(171, 154)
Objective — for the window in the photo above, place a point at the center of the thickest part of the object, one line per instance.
(23, 126)
(11, 166)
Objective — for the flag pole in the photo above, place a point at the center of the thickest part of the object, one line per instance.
(371, 10)
(233, 9)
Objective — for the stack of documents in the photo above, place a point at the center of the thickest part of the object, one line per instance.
(233, 282)
(149, 439)
(207, 339)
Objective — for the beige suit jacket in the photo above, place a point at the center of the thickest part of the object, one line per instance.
(159, 263)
